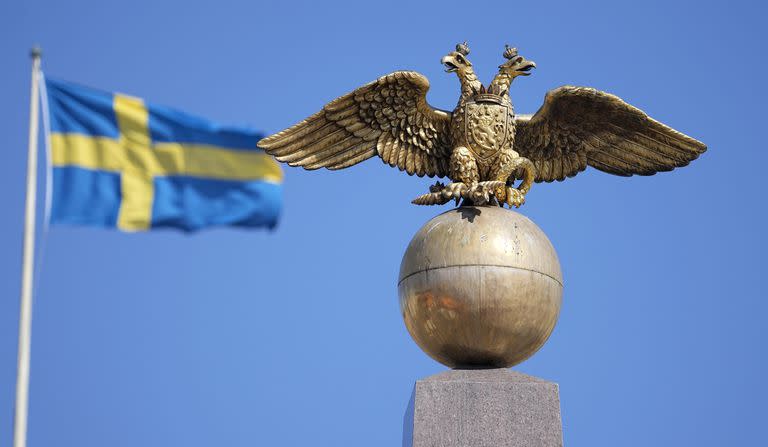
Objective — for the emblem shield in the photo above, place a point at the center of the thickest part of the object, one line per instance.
(486, 127)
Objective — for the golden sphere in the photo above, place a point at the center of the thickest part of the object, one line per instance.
(480, 287)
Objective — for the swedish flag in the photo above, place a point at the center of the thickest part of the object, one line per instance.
(119, 162)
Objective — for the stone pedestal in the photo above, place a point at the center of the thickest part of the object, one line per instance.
(483, 408)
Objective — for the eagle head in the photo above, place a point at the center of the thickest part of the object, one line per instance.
(515, 65)
(456, 61)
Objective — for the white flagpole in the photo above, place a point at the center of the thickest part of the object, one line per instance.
(27, 270)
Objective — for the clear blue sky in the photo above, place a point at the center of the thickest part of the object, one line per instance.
(244, 338)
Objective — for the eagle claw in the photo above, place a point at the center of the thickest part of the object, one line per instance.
(514, 197)
(478, 193)
(437, 187)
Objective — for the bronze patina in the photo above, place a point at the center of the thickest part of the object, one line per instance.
(480, 286)
(483, 147)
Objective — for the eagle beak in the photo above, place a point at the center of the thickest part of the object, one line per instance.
(450, 66)
(524, 67)
(527, 66)
(519, 66)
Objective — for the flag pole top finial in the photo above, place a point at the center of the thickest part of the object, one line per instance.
(36, 52)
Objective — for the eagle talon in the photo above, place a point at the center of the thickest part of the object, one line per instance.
(514, 197)
(437, 187)
(440, 194)
(480, 193)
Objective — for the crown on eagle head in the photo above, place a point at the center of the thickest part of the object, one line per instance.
(509, 52)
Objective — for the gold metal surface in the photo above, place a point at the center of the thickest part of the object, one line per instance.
(480, 287)
(482, 146)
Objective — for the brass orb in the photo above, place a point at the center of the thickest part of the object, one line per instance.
(480, 287)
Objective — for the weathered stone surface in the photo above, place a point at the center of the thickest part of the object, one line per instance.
(483, 408)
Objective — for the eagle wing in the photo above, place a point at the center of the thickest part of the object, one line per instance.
(580, 126)
(388, 117)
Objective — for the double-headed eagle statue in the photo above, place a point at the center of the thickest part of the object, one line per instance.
(482, 146)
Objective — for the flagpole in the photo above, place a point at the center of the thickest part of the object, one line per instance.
(27, 270)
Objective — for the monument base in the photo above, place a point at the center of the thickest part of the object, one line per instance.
(483, 408)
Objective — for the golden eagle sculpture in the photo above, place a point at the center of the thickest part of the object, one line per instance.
(482, 146)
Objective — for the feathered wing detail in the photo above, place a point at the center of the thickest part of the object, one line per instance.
(580, 126)
(388, 117)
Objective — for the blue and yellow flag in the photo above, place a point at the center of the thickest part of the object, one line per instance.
(119, 162)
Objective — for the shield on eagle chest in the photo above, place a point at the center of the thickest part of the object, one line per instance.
(486, 127)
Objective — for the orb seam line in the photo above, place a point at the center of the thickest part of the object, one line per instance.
(480, 265)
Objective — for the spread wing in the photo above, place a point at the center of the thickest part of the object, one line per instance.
(580, 126)
(388, 117)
